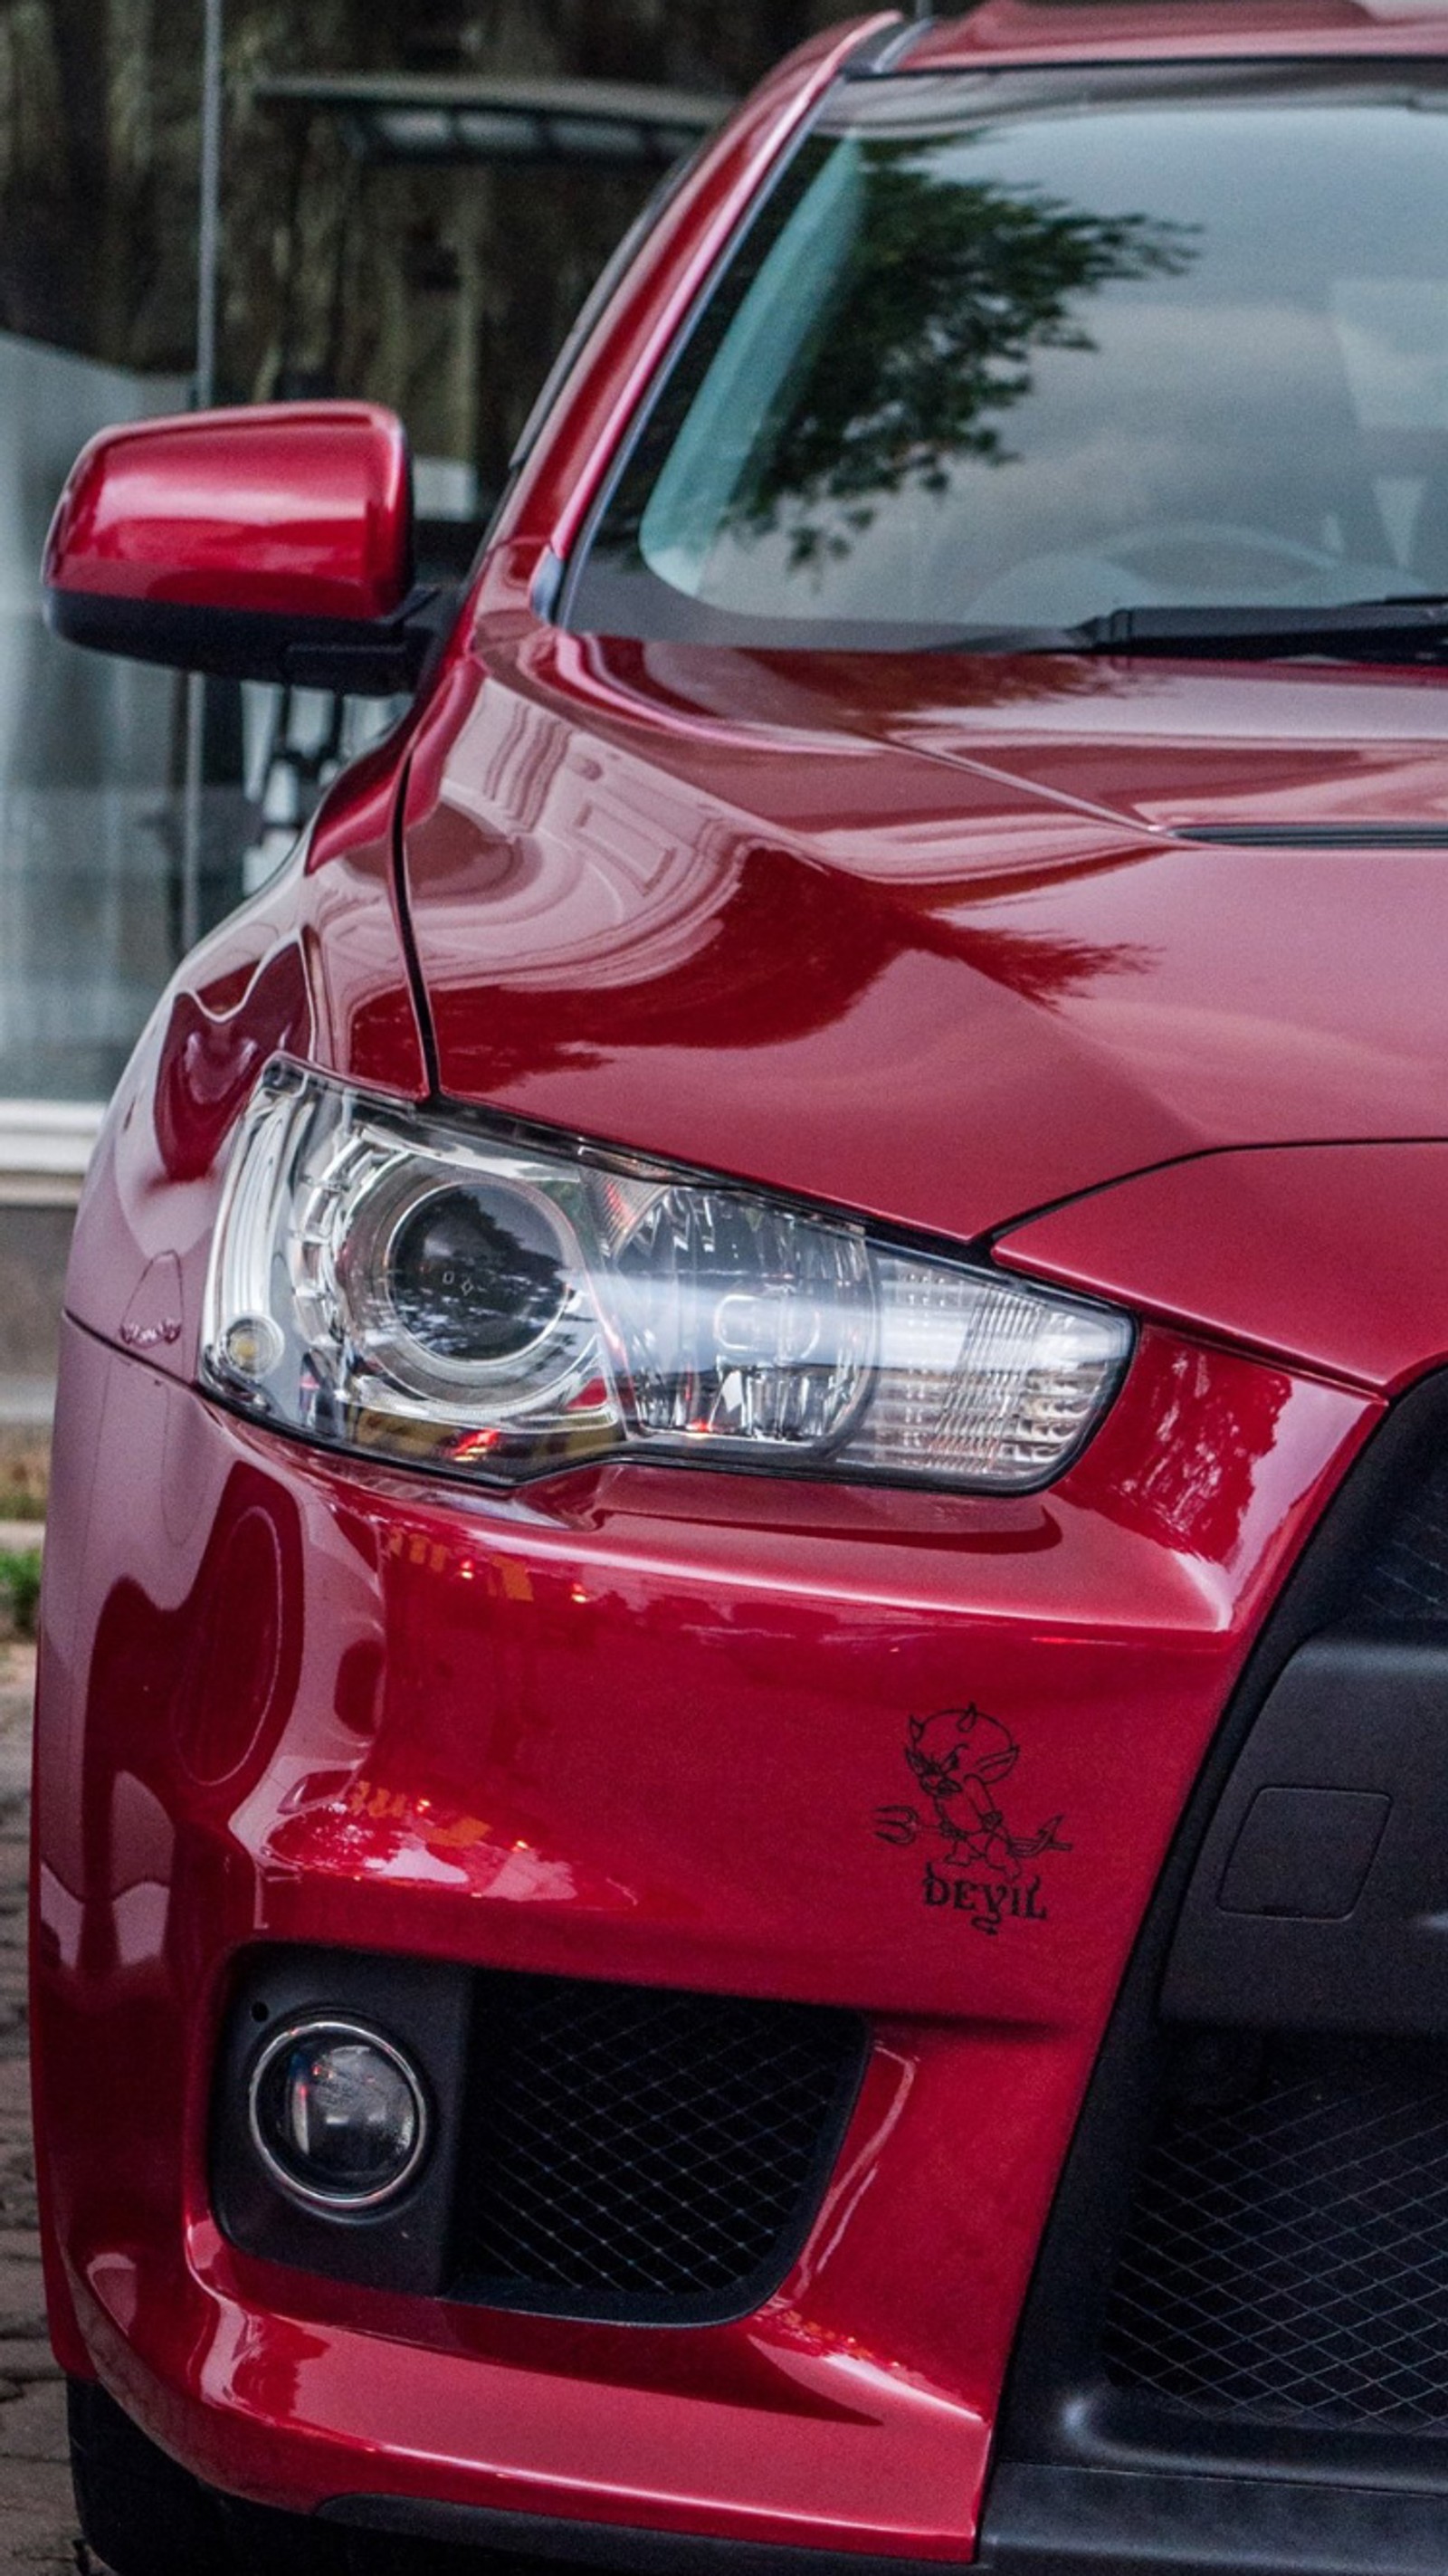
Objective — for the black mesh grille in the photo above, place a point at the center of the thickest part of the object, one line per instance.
(1288, 2250)
(639, 2153)
(1404, 1574)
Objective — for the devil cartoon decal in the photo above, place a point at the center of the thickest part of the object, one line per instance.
(961, 1758)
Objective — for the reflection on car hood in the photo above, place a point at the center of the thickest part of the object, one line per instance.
(924, 935)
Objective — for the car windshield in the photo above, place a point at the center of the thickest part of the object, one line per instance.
(1020, 349)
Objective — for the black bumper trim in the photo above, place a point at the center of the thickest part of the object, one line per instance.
(595, 2544)
(1104, 2522)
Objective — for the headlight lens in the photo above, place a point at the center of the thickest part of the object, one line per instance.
(427, 1291)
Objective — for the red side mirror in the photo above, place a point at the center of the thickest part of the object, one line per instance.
(271, 544)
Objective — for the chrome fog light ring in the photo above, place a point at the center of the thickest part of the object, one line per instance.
(323, 2034)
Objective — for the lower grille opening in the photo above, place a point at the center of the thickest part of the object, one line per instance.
(1287, 2253)
(1241, 2298)
(641, 2154)
(1402, 1579)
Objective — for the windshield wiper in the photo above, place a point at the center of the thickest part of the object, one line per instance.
(1362, 630)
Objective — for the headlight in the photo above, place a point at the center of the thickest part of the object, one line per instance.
(386, 1282)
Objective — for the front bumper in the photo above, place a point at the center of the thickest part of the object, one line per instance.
(642, 1727)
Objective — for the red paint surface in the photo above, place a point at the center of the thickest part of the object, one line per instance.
(293, 510)
(920, 938)
(1163, 30)
(1333, 1253)
(459, 1729)
(915, 934)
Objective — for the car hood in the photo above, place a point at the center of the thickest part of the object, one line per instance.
(944, 939)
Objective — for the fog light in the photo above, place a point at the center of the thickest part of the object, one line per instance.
(338, 2115)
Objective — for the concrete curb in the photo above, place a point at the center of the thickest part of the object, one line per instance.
(19, 1538)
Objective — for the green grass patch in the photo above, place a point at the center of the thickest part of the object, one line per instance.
(24, 1473)
(20, 1587)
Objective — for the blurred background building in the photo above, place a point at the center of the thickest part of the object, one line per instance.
(415, 198)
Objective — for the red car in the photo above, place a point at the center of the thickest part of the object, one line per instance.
(742, 1825)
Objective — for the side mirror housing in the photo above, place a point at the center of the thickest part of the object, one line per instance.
(265, 544)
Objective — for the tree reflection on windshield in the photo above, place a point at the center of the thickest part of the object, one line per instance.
(948, 291)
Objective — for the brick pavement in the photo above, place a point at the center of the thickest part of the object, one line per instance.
(37, 2522)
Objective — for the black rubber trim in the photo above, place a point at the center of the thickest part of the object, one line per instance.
(1103, 2522)
(1274, 1940)
(1315, 836)
(353, 659)
(595, 2544)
